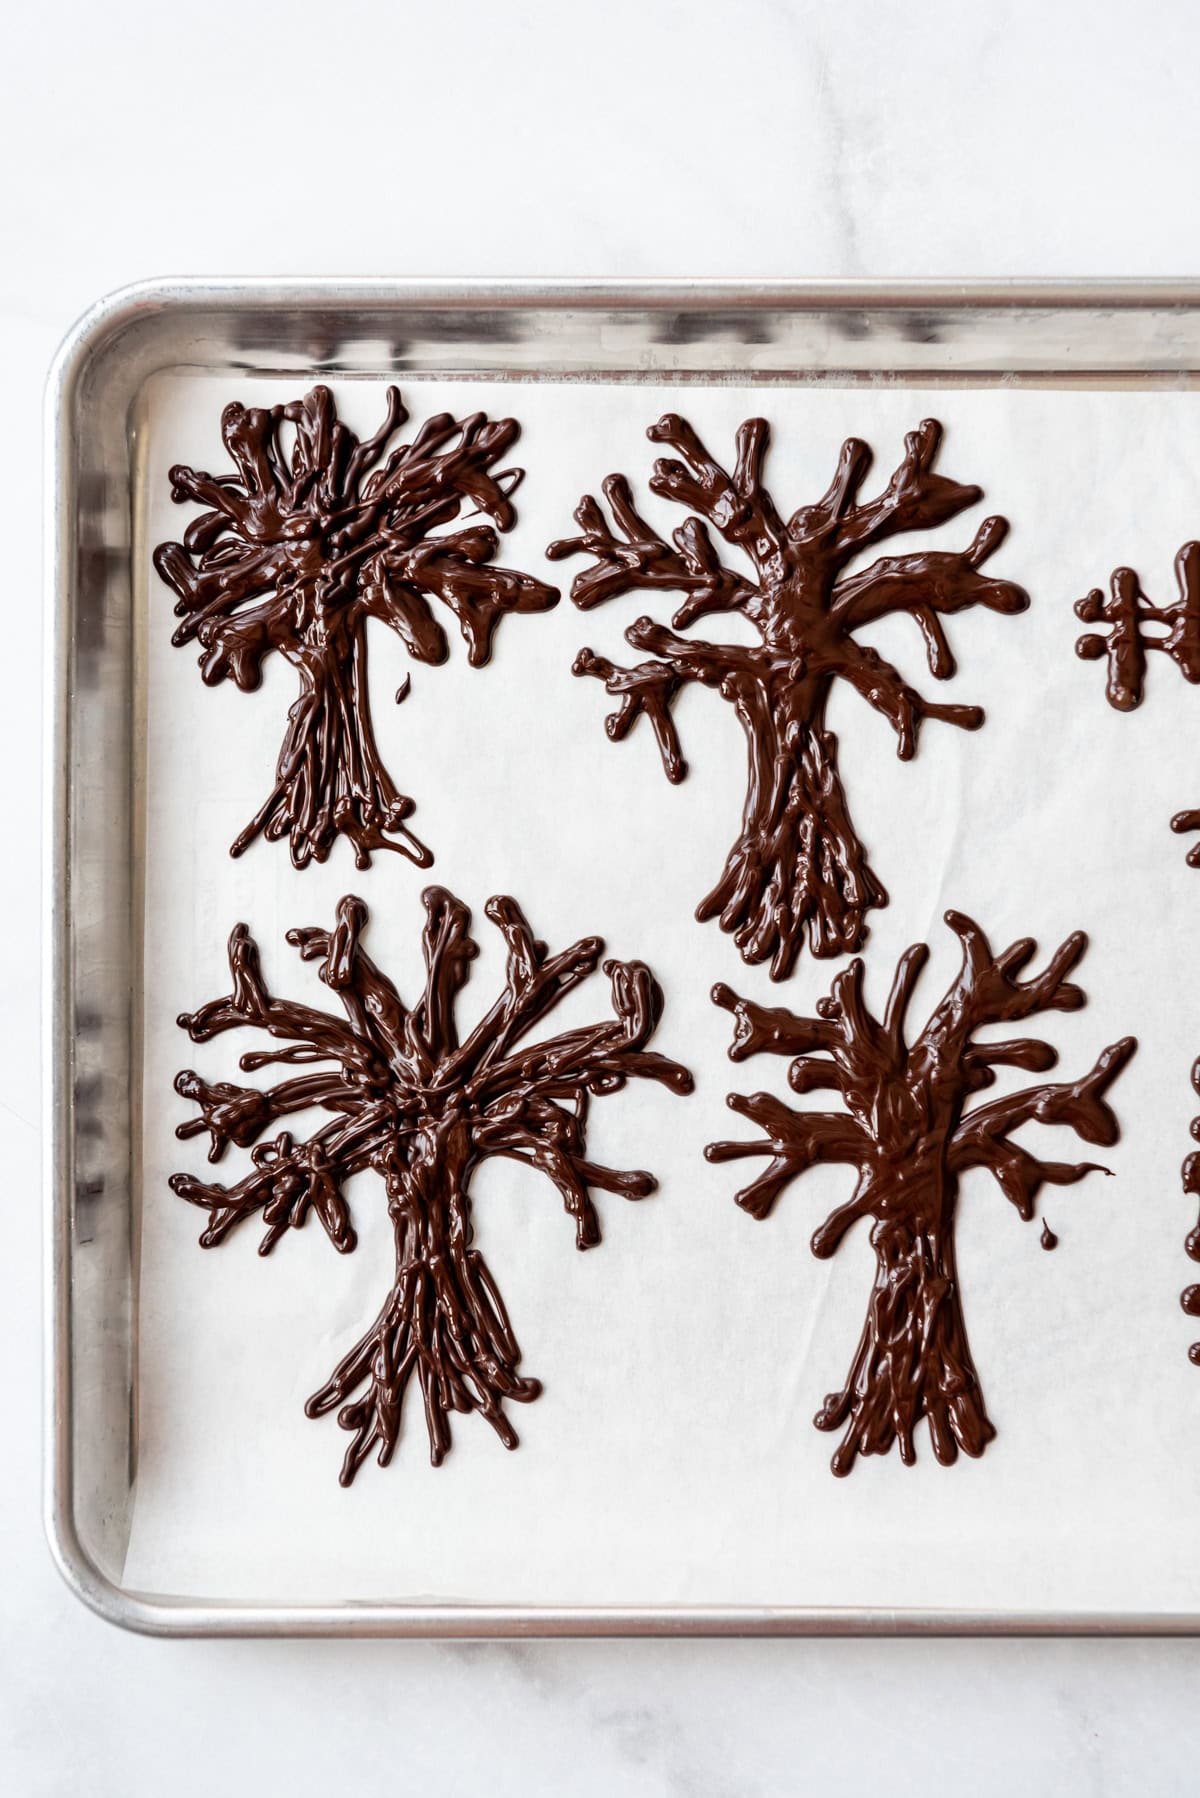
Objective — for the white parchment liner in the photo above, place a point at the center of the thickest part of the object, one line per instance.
(672, 1456)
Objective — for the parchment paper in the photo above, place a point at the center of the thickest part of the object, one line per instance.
(672, 1456)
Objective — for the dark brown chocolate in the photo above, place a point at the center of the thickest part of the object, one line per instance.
(296, 553)
(1127, 613)
(422, 1109)
(908, 1134)
(798, 865)
(1191, 1185)
(1049, 1239)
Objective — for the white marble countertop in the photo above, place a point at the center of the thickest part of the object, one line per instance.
(631, 139)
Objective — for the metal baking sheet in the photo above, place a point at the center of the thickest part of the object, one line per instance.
(1134, 340)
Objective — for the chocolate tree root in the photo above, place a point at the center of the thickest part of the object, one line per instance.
(798, 864)
(913, 1360)
(445, 1323)
(329, 779)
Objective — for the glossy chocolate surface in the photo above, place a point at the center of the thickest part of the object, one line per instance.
(797, 867)
(905, 1128)
(1190, 1299)
(1175, 633)
(409, 1100)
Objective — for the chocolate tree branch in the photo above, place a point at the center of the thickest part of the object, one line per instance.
(797, 870)
(908, 1134)
(739, 507)
(240, 1114)
(1078, 1104)
(554, 1147)
(251, 1004)
(536, 982)
(634, 556)
(603, 1056)
(932, 586)
(979, 1141)
(1182, 824)
(651, 688)
(888, 694)
(645, 691)
(915, 498)
(987, 990)
(290, 1180)
(759, 1029)
(909, 969)
(421, 1109)
(299, 548)
(796, 1140)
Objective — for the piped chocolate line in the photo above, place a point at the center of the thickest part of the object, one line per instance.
(1173, 631)
(1190, 1299)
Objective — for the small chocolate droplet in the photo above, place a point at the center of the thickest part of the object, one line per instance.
(1049, 1239)
(1190, 1300)
(1194, 1354)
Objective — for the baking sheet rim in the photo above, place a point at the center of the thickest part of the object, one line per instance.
(86, 343)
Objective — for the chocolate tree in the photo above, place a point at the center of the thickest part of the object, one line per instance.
(298, 550)
(906, 1131)
(1127, 613)
(797, 865)
(422, 1109)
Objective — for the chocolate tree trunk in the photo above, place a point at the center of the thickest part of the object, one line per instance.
(798, 864)
(444, 1321)
(329, 778)
(913, 1357)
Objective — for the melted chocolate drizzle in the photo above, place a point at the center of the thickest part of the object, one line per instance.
(798, 865)
(1049, 1239)
(295, 554)
(1190, 1300)
(1127, 613)
(907, 1133)
(422, 1109)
